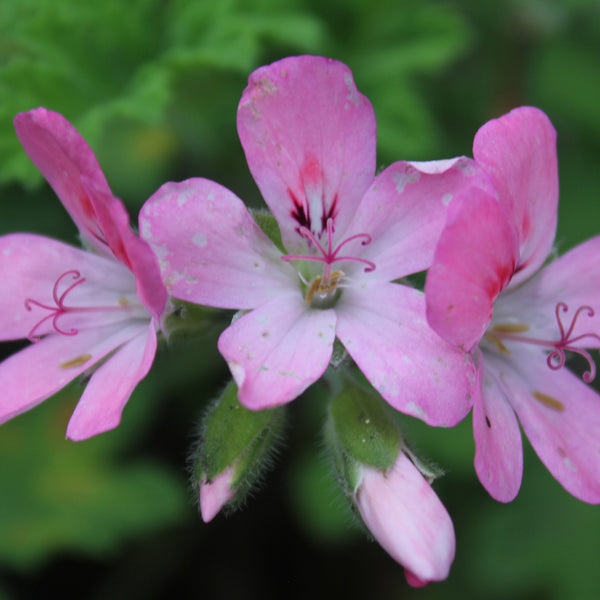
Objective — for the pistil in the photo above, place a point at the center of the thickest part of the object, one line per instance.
(60, 309)
(556, 359)
(327, 283)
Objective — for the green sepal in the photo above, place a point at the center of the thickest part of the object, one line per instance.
(185, 320)
(362, 429)
(267, 222)
(234, 435)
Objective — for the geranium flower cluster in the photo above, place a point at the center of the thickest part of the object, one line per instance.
(325, 270)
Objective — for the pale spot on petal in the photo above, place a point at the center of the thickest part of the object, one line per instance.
(199, 240)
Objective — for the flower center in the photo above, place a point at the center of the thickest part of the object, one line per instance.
(326, 284)
(59, 309)
(556, 359)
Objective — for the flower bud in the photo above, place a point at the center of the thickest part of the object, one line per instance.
(388, 486)
(235, 448)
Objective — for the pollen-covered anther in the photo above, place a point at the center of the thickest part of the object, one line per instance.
(557, 358)
(321, 287)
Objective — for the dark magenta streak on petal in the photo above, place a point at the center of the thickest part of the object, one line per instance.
(504, 274)
(299, 212)
(330, 214)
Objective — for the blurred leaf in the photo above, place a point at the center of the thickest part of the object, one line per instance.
(318, 501)
(104, 60)
(60, 495)
(566, 81)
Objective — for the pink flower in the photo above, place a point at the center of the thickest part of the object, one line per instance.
(81, 309)
(309, 138)
(408, 520)
(488, 293)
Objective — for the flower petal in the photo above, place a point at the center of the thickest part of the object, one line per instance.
(110, 387)
(474, 260)
(276, 351)
(63, 156)
(309, 138)
(404, 212)
(383, 327)
(40, 370)
(209, 248)
(215, 494)
(573, 280)
(498, 444)
(32, 267)
(129, 249)
(560, 416)
(519, 152)
(408, 520)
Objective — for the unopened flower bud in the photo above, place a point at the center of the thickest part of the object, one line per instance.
(235, 448)
(388, 486)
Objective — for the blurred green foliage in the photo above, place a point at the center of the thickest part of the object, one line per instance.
(153, 85)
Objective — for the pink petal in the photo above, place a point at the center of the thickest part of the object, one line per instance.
(519, 152)
(209, 248)
(215, 494)
(30, 268)
(560, 416)
(408, 520)
(383, 327)
(498, 444)
(574, 280)
(63, 156)
(309, 138)
(40, 370)
(110, 387)
(129, 249)
(404, 212)
(474, 260)
(276, 351)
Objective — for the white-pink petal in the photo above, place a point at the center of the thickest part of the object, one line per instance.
(110, 387)
(63, 157)
(560, 416)
(209, 248)
(408, 520)
(404, 212)
(277, 350)
(498, 444)
(215, 494)
(40, 370)
(384, 329)
(32, 267)
(474, 260)
(518, 150)
(309, 138)
(574, 280)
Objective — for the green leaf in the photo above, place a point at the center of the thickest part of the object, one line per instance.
(59, 495)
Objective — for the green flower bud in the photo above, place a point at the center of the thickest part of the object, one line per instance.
(236, 446)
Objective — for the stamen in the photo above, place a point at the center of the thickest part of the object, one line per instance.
(330, 255)
(557, 358)
(60, 309)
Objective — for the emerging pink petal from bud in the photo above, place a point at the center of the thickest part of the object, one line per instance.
(215, 494)
(408, 520)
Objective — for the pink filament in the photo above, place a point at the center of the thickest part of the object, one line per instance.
(330, 256)
(556, 359)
